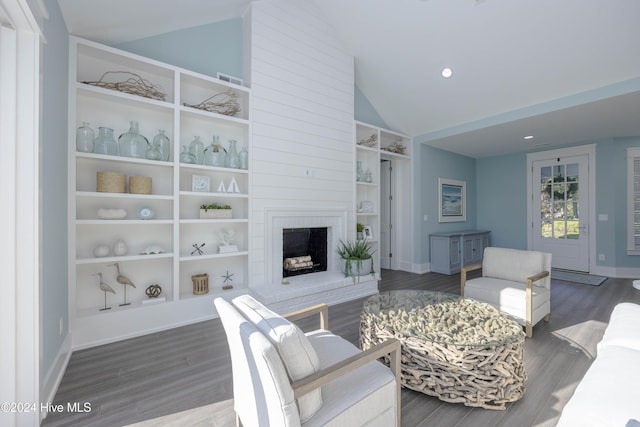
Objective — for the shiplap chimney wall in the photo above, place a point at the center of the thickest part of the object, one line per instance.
(302, 118)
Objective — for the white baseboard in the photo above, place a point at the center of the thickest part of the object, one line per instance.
(54, 376)
(617, 272)
(425, 267)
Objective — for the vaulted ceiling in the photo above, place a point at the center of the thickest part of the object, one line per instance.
(563, 71)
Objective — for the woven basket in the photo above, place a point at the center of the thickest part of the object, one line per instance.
(110, 182)
(200, 284)
(140, 184)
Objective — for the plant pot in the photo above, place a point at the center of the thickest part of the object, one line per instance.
(358, 267)
(216, 213)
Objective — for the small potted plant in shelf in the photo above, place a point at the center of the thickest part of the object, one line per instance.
(215, 211)
(357, 257)
(359, 231)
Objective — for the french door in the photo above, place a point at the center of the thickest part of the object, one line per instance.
(560, 210)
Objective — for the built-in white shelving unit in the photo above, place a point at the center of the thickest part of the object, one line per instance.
(373, 144)
(176, 226)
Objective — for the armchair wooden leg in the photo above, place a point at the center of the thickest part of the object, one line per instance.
(547, 317)
(529, 330)
(238, 422)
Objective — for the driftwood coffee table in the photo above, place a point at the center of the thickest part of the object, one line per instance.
(459, 350)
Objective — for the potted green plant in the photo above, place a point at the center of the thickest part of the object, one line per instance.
(359, 231)
(357, 257)
(216, 211)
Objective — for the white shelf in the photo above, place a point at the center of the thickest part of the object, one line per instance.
(213, 221)
(213, 168)
(99, 91)
(389, 154)
(121, 159)
(212, 115)
(124, 258)
(123, 195)
(214, 194)
(136, 222)
(187, 258)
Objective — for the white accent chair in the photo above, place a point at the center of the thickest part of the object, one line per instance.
(514, 281)
(285, 377)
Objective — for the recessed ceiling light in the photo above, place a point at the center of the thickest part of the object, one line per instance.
(528, 137)
(447, 72)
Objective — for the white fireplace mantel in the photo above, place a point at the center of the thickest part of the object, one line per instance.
(277, 219)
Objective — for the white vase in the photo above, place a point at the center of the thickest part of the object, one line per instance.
(120, 248)
(101, 251)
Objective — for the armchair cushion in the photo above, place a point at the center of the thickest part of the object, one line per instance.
(297, 353)
(512, 264)
(350, 401)
(509, 296)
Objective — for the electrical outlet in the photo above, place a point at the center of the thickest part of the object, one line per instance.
(601, 257)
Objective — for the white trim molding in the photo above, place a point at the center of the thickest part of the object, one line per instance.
(19, 218)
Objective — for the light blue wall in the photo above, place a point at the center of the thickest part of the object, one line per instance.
(54, 293)
(501, 199)
(207, 49)
(429, 164)
(365, 112)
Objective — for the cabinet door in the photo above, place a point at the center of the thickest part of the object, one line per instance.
(454, 255)
(468, 250)
(473, 249)
(485, 243)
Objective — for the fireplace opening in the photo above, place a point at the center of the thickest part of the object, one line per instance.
(304, 250)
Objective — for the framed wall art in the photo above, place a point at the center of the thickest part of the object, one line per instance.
(452, 200)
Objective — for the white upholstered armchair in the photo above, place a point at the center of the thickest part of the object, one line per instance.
(514, 281)
(284, 377)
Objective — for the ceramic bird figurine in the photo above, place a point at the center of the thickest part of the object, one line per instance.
(123, 280)
(106, 288)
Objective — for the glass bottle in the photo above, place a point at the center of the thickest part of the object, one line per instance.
(232, 160)
(368, 177)
(84, 138)
(132, 144)
(220, 153)
(244, 158)
(186, 157)
(196, 149)
(105, 143)
(359, 172)
(153, 152)
(164, 145)
(208, 155)
(213, 155)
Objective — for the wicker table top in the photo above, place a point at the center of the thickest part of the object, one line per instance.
(443, 318)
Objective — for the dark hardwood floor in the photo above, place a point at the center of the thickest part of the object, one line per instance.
(182, 377)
